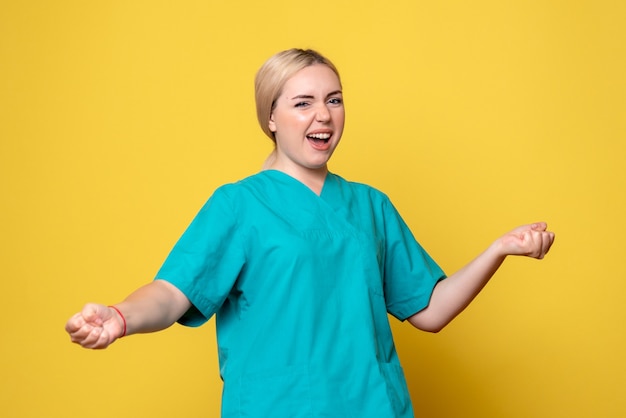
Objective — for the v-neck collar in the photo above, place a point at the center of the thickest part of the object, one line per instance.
(331, 196)
(325, 185)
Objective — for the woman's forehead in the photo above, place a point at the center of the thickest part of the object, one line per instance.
(314, 78)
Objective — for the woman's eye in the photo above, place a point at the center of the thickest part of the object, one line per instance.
(335, 101)
(301, 104)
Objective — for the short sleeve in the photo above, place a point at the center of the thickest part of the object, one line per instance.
(410, 274)
(206, 261)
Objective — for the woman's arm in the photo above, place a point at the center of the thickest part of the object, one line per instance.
(150, 308)
(452, 295)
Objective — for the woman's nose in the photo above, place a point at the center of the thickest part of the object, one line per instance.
(322, 115)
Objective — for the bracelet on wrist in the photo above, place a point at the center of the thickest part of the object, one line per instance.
(123, 319)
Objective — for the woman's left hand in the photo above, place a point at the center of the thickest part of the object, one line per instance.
(532, 240)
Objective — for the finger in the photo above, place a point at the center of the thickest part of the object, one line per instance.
(541, 246)
(88, 340)
(82, 334)
(539, 226)
(93, 338)
(548, 240)
(536, 245)
(104, 341)
(533, 241)
(74, 323)
(101, 339)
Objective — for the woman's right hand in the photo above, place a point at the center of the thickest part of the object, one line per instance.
(96, 326)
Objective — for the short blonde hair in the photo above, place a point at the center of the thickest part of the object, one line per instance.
(274, 73)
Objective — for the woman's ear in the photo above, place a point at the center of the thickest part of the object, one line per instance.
(271, 124)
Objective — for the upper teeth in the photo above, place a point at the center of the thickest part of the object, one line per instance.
(319, 136)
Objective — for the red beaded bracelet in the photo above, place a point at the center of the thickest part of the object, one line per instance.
(123, 319)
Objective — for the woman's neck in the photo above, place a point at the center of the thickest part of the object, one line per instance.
(313, 178)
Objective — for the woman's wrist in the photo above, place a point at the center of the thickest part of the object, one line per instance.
(498, 250)
(123, 320)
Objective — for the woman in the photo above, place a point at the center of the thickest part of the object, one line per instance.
(301, 268)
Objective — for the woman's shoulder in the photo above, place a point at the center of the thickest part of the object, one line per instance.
(254, 187)
(251, 181)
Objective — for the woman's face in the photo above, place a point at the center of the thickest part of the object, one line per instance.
(308, 119)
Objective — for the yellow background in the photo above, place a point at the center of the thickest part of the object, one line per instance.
(119, 118)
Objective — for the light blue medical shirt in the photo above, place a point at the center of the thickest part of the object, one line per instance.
(301, 286)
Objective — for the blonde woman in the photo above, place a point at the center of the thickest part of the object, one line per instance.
(301, 268)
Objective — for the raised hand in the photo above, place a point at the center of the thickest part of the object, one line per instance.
(453, 294)
(532, 240)
(96, 326)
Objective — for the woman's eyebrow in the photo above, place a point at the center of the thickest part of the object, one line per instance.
(308, 96)
(302, 96)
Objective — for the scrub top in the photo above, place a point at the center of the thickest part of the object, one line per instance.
(301, 286)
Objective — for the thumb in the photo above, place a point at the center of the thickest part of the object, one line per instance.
(539, 226)
(94, 313)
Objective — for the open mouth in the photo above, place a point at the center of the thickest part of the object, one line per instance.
(319, 138)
